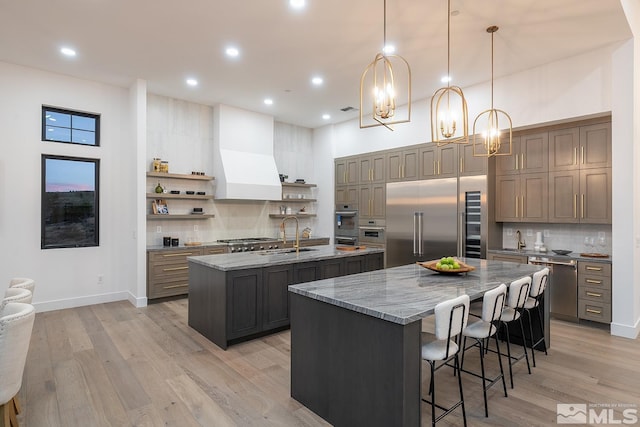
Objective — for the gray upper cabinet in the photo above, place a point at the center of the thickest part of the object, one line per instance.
(373, 168)
(402, 165)
(521, 198)
(346, 169)
(581, 147)
(438, 162)
(529, 155)
(469, 164)
(595, 196)
(564, 190)
(346, 195)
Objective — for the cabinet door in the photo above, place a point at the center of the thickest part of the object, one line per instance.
(352, 171)
(507, 198)
(378, 164)
(365, 167)
(341, 172)
(448, 161)
(428, 163)
(410, 165)
(331, 268)
(379, 200)
(470, 164)
(595, 196)
(509, 165)
(364, 201)
(305, 272)
(354, 265)
(534, 197)
(244, 302)
(374, 262)
(394, 166)
(534, 153)
(275, 296)
(563, 149)
(346, 195)
(595, 146)
(564, 187)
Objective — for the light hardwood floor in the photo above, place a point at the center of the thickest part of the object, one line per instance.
(117, 365)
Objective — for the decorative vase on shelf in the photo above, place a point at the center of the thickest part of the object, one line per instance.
(159, 188)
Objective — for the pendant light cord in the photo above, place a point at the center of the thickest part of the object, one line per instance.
(384, 29)
(449, 43)
(492, 68)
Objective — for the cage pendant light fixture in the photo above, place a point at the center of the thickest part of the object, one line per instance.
(449, 114)
(488, 139)
(380, 88)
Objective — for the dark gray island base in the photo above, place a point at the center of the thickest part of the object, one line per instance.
(355, 340)
(236, 297)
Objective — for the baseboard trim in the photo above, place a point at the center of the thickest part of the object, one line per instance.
(626, 331)
(89, 300)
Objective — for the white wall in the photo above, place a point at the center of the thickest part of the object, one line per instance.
(65, 277)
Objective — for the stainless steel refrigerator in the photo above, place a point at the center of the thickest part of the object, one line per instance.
(430, 219)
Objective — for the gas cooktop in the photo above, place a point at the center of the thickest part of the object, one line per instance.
(249, 244)
(247, 239)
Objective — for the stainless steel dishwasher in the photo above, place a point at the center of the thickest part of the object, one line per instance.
(562, 290)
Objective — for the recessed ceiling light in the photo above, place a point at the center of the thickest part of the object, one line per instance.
(268, 101)
(297, 4)
(389, 49)
(67, 51)
(317, 81)
(445, 79)
(326, 116)
(192, 82)
(232, 52)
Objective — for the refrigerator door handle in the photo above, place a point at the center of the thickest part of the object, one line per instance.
(461, 234)
(418, 249)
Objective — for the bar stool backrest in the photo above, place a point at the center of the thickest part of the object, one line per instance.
(539, 282)
(519, 292)
(16, 325)
(15, 295)
(451, 317)
(493, 303)
(22, 282)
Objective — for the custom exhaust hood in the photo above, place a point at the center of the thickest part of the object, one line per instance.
(243, 155)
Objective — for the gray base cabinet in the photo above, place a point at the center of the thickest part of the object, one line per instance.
(594, 291)
(232, 306)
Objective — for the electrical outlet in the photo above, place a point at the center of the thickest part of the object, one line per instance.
(158, 229)
(529, 232)
(509, 231)
(195, 228)
(100, 279)
(546, 233)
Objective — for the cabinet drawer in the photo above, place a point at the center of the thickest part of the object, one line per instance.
(214, 251)
(595, 311)
(173, 257)
(159, 289)
(169, 270)
(597, 282)
(594, 268)
(602, 296)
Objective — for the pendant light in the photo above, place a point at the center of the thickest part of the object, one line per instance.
(449, 114)
(490, 141)
(379, 85)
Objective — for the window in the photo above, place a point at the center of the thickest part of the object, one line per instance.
(70, 195)
(73, 127)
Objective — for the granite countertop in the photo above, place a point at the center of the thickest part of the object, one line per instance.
(258, 259)
(549, 254)
(409, 293)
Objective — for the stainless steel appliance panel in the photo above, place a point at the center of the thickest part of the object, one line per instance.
(421, 221)
(562, 288)
(346, 225)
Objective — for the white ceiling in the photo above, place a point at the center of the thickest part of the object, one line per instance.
(164, 42)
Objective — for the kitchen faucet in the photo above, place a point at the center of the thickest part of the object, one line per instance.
(284, 233)
(521, 243)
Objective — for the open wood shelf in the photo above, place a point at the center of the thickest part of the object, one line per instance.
(178, 216)
(295, 185)
(180, 176)
(179, 196)
(298, 215)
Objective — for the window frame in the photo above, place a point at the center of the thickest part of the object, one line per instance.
(46, 209)
(96, 117)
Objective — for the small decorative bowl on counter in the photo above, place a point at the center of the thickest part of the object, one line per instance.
(446, 265)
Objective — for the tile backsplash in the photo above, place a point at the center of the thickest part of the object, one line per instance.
(560, 236)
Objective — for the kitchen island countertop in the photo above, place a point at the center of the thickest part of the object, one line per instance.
(549, 254)
(247, 260)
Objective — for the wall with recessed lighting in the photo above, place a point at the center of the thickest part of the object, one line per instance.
(65, 277)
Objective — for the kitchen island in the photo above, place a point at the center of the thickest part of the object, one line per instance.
(355, 341)
(239, 296)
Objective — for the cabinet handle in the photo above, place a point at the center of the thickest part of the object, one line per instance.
(582, 206)
(344, 177)
(180, 254)
(575, 155)
(516, 162)
(594, 268)
(175, 268)
(582, 154)
(438, 167)
(461, 164)
(575, 205)
(522, 161)
(434, 167)
(589, 310)
(594, 294)
(175, 286)
(522, 208)
(516, 206)
(594, 282)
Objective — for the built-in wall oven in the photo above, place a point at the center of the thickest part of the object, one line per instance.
(372, 233)
(346, 225)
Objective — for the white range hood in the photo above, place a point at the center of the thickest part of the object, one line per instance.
(244, 165)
